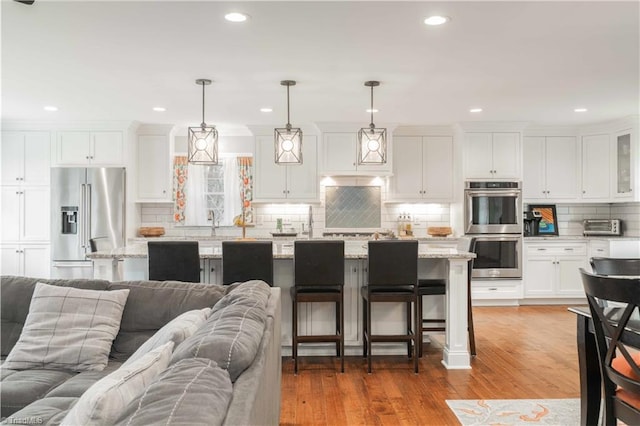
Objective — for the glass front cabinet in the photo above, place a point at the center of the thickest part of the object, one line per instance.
(625, 159)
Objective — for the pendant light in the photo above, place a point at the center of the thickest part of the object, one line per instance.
(288, 141)
(203, 140)
(372, 142)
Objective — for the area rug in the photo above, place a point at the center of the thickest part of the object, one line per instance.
(564, 412)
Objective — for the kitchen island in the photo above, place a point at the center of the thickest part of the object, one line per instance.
(435, 261)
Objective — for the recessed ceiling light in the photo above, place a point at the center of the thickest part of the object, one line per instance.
(236, 17)
(580, 110)
(50, 108)
(369, 110)
(159, 109)
(475, 110)
(436, 20)
(266, 109)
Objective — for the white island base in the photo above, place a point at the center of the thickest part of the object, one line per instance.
(319, 318)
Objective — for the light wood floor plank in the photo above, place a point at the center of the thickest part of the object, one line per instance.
(526, 352)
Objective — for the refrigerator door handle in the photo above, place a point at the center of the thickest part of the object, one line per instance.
(88, 210)
(83, 212)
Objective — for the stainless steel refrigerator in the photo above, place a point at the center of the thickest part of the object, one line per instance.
(87, 207)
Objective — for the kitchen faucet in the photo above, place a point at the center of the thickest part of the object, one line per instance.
(310, 222)
(212, 215)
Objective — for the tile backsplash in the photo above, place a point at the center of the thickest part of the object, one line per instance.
(570, 216)
(353, 207)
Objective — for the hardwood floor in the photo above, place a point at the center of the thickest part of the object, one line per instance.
(523, 352)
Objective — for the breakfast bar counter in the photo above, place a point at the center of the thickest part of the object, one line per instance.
(435, 261)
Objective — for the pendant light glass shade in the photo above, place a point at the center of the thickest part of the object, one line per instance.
(372, 141)
(203, 140)
(288, 140)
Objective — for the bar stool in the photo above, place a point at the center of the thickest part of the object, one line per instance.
(432, 287)
(247, 260)
(392, 277)
(319, 277)
(174, 261)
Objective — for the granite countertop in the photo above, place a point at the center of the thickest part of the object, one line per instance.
(233, 238)
(284, 250)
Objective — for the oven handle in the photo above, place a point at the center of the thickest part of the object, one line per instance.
(494, 193)
(501, 237)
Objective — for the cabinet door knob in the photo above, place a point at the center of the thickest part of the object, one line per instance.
(213, 269)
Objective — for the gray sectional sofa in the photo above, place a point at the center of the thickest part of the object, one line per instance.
(238, 346)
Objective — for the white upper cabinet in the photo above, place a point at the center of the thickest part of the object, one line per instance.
(596, 167)
(154, 168)
(423, 168)
(286, 182)
(26, 158)
(90, 148)
(550, 169)
(492, 155)
(626, 162)
(340, 156)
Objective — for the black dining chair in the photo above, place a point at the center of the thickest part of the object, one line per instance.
(615, 266)
(318, 277)
(617, 341)
(174, 261)
(438, 287)
(247, 260)
(392, 278)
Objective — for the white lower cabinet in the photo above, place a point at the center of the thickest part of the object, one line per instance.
(211, 271)
(552, 269)
(27, 260)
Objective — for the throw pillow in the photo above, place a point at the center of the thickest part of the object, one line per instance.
(68, 328)
(176, 331)
(104, 401)
(194, 391)
(232, 335)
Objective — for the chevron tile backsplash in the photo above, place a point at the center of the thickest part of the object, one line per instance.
(353, 207)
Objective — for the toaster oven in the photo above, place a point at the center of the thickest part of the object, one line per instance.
(602, 227)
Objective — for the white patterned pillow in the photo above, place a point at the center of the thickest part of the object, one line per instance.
(176, 331)
(105, 400)
(68, 329)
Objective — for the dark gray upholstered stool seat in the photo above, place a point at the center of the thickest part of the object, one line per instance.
(174, 261)
(318, 277)
(247, 260)
(392, 277)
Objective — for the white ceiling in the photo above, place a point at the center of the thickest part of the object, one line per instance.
(519, 61)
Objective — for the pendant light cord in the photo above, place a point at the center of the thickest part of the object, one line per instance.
(372, 126)
(203, 124)
(288, 118)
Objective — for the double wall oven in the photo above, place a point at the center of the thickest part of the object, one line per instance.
(493, 217)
